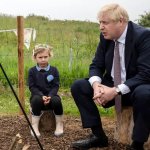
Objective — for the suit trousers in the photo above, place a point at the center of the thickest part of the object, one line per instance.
(139, 98)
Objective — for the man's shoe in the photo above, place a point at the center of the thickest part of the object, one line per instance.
(130, 147)
(90, 142)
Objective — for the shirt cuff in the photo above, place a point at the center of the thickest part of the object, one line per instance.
(124, 89)
(94, 79)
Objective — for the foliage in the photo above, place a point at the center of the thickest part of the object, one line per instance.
(144, 19)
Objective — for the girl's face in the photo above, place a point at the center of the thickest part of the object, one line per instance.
(42, 59)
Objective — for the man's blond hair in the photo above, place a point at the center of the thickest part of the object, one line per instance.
(114, 11)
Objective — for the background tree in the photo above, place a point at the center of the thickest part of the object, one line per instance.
(144, 19)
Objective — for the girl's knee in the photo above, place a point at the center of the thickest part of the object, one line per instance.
(56, 100)
(36, 100)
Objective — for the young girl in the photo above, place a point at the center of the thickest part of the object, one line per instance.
(43, 80)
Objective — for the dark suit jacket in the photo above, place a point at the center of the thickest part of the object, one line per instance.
(137, 57)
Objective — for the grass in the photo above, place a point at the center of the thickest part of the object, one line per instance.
(74, 44)
(9, 105)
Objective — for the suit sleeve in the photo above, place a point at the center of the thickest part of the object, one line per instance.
(142, 47)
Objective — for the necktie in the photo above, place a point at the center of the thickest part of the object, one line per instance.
(117, 76)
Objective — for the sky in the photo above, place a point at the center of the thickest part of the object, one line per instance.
(85, 10)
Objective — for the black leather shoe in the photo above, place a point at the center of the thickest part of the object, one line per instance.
(130, 147)
(90, 142)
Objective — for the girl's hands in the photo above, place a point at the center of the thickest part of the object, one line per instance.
(46, 99)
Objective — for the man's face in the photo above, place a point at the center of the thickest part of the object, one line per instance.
(110, 29)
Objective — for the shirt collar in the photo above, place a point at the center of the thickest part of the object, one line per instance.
(122, 38)
(46, 68)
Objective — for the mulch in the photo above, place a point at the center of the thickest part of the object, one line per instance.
(10, 126)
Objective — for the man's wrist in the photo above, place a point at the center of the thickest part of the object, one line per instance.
(96, 84)
(94, 79)
(118, 91)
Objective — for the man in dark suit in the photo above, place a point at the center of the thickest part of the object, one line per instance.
(99, 89)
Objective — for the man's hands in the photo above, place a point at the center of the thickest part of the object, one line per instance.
(103, 94)
(46, 99)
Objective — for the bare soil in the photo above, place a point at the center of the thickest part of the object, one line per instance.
(10, 126)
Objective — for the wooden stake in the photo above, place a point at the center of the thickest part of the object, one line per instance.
(20, 31)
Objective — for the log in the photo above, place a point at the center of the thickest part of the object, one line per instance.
(19, 145)
(26, 147)
(16, 143)
(14, 140)
(47, 121)
(124, 127)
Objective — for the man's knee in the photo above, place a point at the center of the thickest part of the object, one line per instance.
(79, 85)
(140, 96)
(141, 91)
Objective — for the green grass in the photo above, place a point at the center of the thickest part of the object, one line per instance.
(9, 105)
(74, 44)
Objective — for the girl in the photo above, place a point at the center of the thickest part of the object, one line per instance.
(43, 80)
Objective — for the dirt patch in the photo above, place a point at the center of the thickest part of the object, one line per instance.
(12, 125)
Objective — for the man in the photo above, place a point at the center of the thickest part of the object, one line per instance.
(99, 89)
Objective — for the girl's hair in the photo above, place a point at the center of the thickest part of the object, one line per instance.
(114, 11)
(42, 47)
